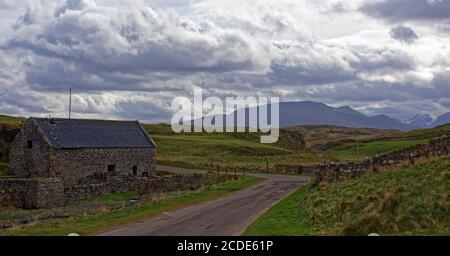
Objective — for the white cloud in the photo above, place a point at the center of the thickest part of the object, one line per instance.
(128, 60)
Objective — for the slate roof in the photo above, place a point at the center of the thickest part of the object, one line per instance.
(84, 133)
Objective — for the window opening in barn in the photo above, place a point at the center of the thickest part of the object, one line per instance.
(29, 144)
(135, 170)
(111, 168)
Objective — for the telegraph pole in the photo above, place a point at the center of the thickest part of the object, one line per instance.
(70, 102)
(357, 146)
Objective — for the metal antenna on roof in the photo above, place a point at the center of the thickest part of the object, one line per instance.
(70, 102)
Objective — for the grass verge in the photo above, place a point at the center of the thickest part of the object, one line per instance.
(87, 224)
(284, 219)
(405, 201)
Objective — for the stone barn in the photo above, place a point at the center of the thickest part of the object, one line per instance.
(73, 149)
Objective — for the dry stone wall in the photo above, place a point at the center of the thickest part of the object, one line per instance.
(31, 193)
(339, 171)
(34, 193)
(96, 186)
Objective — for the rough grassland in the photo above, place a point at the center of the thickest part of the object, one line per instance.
(348, 151)
(4, 119)
(406, 201)
(429, 133)
(325, 134)
(90, 223)
(199, 150)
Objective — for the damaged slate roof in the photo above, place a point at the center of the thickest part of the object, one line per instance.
(85, 133)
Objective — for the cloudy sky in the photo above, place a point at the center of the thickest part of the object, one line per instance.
(129, 59)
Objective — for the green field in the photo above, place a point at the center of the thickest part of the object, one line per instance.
(244, 150)
(202, 150)
(101, 213)
(406, 201)
(199, 150)
(349, 151)
(428, 133)
(4, 119)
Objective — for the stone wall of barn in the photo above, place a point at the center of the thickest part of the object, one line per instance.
(29, 154)
(72, 165)
(32, 156)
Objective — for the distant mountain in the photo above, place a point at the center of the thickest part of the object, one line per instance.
(420, 121)
(350, 111)
(313, 113)
(441, 120)
(423, 121)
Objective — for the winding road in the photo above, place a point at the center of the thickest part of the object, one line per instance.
(226, 216)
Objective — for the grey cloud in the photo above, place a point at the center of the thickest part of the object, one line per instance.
(78, 50)
(338, 7)
(130, 62)
(323, 71)
(74, 5)
(445, 103)
(6, 3)
(359, 90)
(306, 75)
(135, 50)
(383, 60)
(135, 40)
(405, 10)
(403, 34)
(441, 83)
(311, 63)
(143, 110)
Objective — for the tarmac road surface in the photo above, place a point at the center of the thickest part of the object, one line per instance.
(226, 216)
